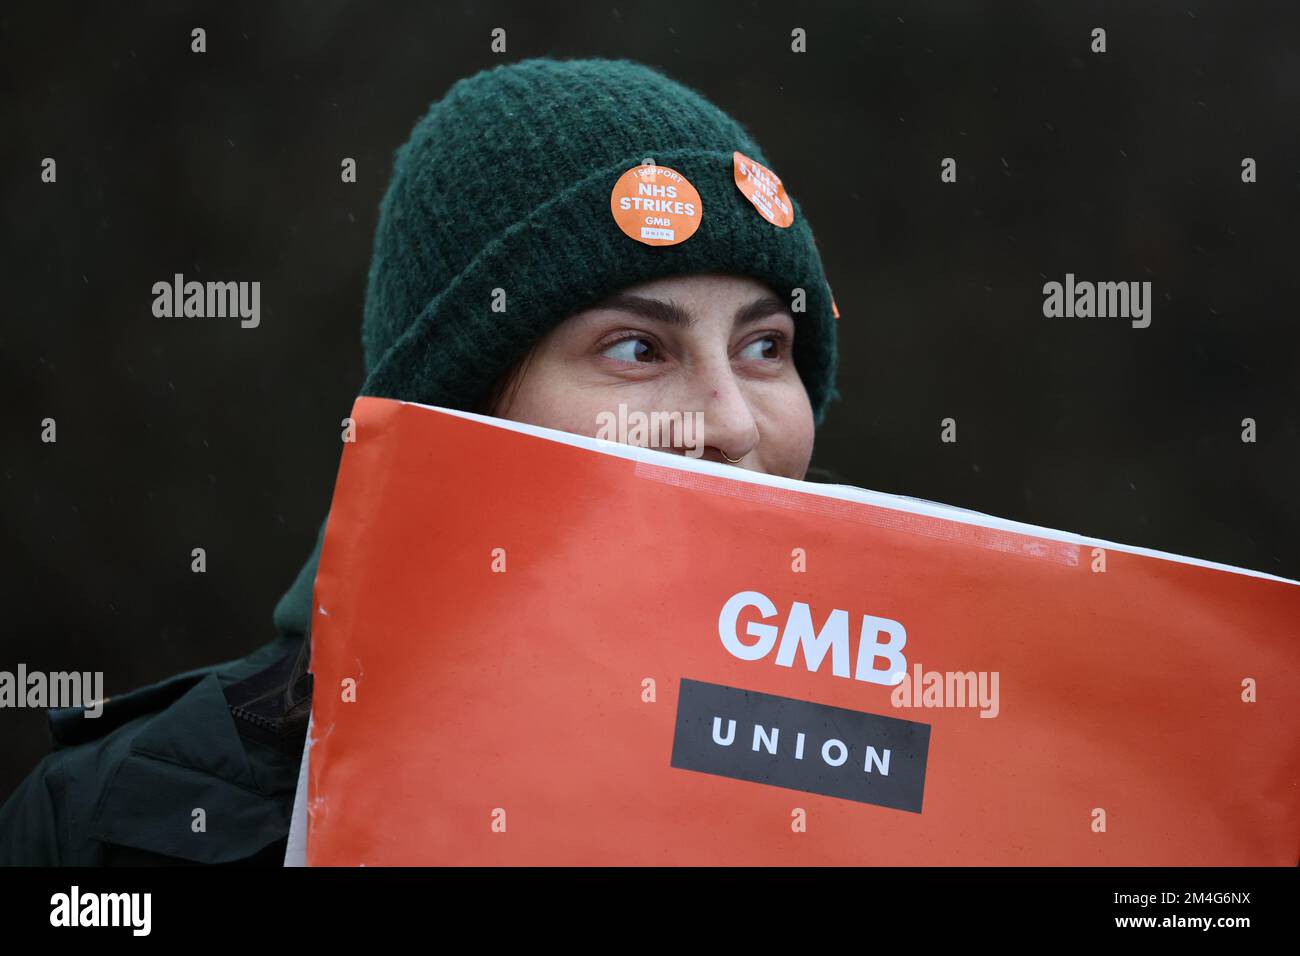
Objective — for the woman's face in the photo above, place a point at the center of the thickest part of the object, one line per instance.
(715, 349)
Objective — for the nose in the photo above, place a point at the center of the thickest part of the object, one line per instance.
(730, 430)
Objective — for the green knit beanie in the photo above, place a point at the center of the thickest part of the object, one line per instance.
(505, 185)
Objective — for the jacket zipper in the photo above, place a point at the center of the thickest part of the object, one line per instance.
(253, 718)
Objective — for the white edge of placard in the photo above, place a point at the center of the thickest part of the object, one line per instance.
(918, 506)
(295, 853)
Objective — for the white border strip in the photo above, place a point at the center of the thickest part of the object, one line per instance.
(917, 506)
(295, 851)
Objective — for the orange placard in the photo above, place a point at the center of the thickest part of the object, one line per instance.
(533, 648)
(656, 205)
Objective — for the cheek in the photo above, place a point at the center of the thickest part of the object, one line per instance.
(564, 395)
(547, 398)
(787, 432)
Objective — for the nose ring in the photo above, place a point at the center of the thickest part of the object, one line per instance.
(736, 461)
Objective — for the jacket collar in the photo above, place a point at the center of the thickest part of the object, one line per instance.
(190, 786)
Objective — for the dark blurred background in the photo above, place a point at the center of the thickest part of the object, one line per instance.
(176, 434)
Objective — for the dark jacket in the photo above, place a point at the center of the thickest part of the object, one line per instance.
(122, 788)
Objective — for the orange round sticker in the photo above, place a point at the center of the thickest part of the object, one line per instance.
(656, 205)
(763, 188)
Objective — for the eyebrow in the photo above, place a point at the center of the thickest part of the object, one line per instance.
(662, 310)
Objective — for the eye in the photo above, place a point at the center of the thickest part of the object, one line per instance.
(631, 350)
(768, 347)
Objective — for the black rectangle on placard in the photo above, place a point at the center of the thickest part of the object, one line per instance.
(800, 745)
